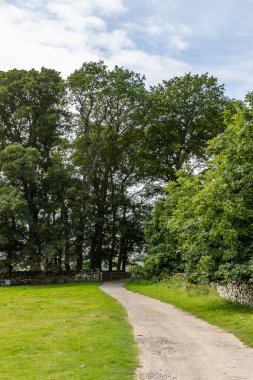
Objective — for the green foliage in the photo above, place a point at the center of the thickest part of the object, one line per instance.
(31, 107)
(109, 108)
(212, 212)
(185, 112)
(84, 158)
(162, 245)
(13, 216)
(139, 273)
(32, 120)
(20, 164)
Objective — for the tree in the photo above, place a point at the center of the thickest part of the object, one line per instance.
(83, 160)
(162, 252)
(13, 237)
(107, 105)
(225, 205)
(31, 126)
(211, 213)
(185, 112)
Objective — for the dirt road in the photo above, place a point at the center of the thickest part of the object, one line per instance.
(174, 345)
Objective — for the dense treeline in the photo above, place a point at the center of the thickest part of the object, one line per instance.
(83, 159)
(204, 227)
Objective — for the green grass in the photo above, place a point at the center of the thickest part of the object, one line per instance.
(204, 303)
(64, 332)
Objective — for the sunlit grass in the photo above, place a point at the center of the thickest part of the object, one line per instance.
(64, 332)
(203, 302)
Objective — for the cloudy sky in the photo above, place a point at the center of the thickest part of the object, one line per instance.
(157, 38)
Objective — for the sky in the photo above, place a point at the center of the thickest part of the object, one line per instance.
(156, 38)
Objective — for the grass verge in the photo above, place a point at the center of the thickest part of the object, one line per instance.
(64, 332)
(203, 302)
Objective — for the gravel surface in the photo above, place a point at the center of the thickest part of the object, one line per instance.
(174, 345)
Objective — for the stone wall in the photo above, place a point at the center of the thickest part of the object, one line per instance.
(45, 278)
(241, 293)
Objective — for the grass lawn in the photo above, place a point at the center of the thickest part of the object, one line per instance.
(203, 302)
(70, 332)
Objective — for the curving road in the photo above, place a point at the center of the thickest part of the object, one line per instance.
(174, 345)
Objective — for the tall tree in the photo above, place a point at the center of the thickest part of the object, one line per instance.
(211, 213)
(13, 217)
(107, 104)
(185, 112)
(31, 125)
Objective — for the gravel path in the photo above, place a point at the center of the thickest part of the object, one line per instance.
(174, 345)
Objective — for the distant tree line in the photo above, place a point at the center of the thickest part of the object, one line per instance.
(83, 160)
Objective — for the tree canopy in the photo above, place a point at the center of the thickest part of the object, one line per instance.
(83, 161)
(208, 216)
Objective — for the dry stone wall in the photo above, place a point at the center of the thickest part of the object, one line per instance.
(241, 293)
(46, 278)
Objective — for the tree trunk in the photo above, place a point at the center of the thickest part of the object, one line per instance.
(66, 230)
(96, 254)
(79, 253)
(66, 255)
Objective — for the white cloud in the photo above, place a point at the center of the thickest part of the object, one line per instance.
(173, 36)
(113, 41)
(63, 35)
(164, 39)
(31, 37)
(236, 75)
(178, 42)
(156, 67)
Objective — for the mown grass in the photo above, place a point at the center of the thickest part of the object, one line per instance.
(203, 302)
(64, 332)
